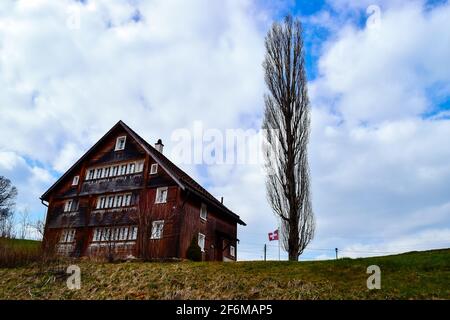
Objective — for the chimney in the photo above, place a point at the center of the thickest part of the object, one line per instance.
(221, 200)
(159, 146)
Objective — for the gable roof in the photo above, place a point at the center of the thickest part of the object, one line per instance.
(179, 176)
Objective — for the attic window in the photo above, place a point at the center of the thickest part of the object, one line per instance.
(203, 211)
(120, 143)
(75, 180)
(154, 168)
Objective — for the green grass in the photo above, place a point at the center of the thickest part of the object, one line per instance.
(415, 275)
(17, 252)
(20, 243)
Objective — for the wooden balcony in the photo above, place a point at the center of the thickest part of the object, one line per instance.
(114, 216)
(112, 184)
(74, 219)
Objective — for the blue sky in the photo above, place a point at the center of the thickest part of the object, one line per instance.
(380, 92)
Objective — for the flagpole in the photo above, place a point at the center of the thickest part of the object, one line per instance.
(279, 259)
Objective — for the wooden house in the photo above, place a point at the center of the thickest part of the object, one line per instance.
(124, 198)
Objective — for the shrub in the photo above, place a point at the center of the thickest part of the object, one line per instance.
(194, 252)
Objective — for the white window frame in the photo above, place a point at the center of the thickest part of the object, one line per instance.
(159, 198)
(233, 251)
(98, 173)
(90, 174)
(76, 180)
(131, 168)
(123, 233)
(133, 234)
(201, 241)
(67, 236)
(102, 202)
(123, 170)
(140, 166)
(157, 230)
(68, 205)
(96, 234)
(203, 211)
(118, 204)
(110, 201)
(118, 142)
(154, 168)
(127, 200)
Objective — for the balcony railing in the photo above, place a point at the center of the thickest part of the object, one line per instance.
(74, 219)
(113, 184)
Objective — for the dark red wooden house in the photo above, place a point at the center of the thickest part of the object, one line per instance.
(124, 197)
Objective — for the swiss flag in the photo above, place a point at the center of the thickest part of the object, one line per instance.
(273, 235)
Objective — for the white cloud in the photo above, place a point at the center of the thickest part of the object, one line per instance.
(378, 165)
(386, 72)
(68, 86)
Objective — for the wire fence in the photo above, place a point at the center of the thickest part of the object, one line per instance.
(253, 250)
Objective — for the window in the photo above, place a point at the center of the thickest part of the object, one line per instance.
(161, 195)
(232, 251)
(119, 201)
(99, 173)
(110, 201)
(131, 167)
(133, 234)
(107, 234)
(154, 168)
(203, 211)
(90, 174)
(68, 206)
(101, 202)
(75, 180)
(140, 166)
(201, 241)
(96, 236)
(157, 229)
(115, 234)
(127, 200)
(115, 171)
(123, 233)
(67, 235)
(123, 169)
(106, 172)
(120, 143)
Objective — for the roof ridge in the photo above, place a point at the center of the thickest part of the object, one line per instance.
(173, 165)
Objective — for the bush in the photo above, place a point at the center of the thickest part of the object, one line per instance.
(194, 252)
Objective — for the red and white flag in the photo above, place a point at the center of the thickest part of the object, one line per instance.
(273, 235)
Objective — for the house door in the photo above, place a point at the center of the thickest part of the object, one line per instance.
(218, 249)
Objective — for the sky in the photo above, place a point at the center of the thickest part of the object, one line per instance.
(378, 80)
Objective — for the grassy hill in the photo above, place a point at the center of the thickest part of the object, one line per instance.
(20, 243)
(415, 275)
